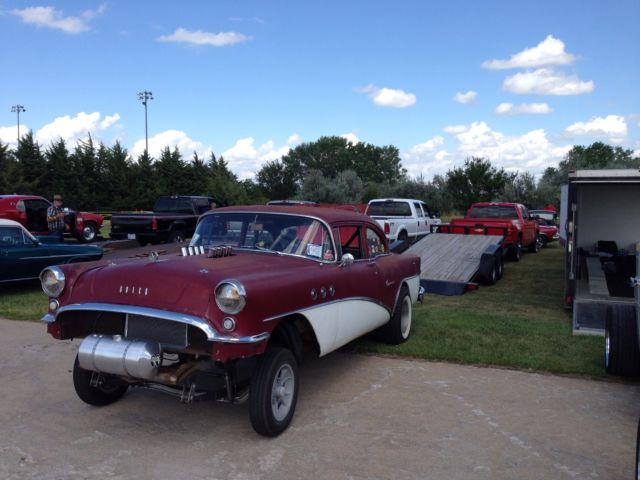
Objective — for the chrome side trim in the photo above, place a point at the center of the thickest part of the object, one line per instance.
(201, 323)
(322, 304)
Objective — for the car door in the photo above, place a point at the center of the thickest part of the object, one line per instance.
(422, 223)
(529, 227)
(20, 256)
(37, 214)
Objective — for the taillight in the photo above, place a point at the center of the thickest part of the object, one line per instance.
(387, 229)
(154, 223)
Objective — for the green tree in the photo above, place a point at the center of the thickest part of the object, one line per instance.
(172, 174)
(276, 181)
(32, 165)
(344, 188)
(521, 188)
(145, 187)
(8, 170)
(60, 173)
(476, 181)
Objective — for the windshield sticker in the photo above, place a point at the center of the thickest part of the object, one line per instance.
(314, 250)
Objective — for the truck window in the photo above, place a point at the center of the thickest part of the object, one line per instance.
(182, 205)
(163, 204)
(418, 208)
(389, 208)
(493, 211)
(427, 212)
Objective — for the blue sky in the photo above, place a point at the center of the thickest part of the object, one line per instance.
(517, 82)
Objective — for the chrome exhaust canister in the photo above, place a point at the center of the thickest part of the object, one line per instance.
(118, 356)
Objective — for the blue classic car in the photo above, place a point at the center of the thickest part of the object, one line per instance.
(23, 256)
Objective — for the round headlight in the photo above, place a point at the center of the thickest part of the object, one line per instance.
(53, 281)
(231, 296)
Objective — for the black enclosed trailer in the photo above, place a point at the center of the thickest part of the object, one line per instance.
(600, 227)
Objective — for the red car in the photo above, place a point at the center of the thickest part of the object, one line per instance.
(501, 218)
(31, 212)
(231, 315)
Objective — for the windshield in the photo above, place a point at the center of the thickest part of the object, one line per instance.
(389, 208)
(289, 234)
(493, 211)
(549, 216)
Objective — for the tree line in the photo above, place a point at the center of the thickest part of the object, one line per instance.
(331, 169)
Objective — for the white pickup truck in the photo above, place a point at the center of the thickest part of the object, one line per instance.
(402, 218)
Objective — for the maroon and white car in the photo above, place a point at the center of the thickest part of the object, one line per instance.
(233, 313)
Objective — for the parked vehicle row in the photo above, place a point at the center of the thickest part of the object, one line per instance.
(31, 212)
(402, 219)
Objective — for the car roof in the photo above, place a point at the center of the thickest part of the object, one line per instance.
(16, 196)
(329, 215)
(9, 223)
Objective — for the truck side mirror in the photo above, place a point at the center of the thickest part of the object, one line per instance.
(436, 214)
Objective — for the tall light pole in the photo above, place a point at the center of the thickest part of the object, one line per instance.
(144, 97)
(17, 109)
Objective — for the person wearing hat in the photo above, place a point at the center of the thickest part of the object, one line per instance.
(55, 218)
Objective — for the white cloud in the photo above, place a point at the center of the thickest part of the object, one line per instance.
(612, 128)
(171, 139)
(49, 17)
(245, 159)
(200, 38)
(453, 129)
(73, 129)
(9, 135)
(427, 159)
(544, 81)
(548, 52)
(507, 108)
(465, 98)
(351, 137)
(389, 97)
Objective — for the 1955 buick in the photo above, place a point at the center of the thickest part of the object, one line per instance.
(232, 315)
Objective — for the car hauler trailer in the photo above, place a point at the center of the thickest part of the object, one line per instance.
(600, 225)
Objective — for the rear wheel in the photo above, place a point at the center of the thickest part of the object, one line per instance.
(398, 328)
(109, 391)
(177, 236)
(403, 237)
(274, 392)
(621, 352)
(536, 245)
(89, 232)
(515, 251)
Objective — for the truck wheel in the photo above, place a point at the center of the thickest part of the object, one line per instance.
(89, 232)
(536, 245)
(177, 236)
(397, 330)
(543, 241)
(106, 394)
(274, 392)
(515, 251)
(621, 352)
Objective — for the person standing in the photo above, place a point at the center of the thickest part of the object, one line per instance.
(55, 218)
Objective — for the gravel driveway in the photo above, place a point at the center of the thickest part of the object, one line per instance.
(358, 417)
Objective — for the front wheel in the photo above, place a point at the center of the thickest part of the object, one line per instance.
(89, 232)
(108, 392)
(177, 236)
(274, 392)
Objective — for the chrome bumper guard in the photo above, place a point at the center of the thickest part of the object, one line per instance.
(197, 322)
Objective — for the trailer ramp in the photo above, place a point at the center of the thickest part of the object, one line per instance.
(450, 261)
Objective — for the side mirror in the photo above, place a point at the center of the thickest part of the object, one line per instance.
(347, 259)
(436, 214)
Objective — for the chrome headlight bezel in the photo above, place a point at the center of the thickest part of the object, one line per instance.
(54, 289)
(224, 293)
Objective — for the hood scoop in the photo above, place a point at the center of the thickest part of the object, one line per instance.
(211, 252)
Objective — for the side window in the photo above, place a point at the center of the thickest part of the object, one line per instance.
(375, 243)
(350, 241)
(427, 212)
(12, 237)
(418, 208)
(525, 213)
(20, 206)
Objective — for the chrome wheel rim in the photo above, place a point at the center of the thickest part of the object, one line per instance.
(282, 392)
(88, 233)
(405, 317)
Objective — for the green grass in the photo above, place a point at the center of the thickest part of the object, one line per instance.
(518, 323)
(106, 229)
(22, 301)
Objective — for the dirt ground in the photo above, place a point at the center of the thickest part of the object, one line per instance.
(358, 417)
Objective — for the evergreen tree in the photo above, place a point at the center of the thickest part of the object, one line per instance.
(32, 166)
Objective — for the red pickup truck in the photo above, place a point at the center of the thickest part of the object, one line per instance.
(500, 218)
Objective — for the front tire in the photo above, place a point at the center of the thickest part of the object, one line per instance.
(274, 392)
(109, 392)
(177, 236)
(397, 330)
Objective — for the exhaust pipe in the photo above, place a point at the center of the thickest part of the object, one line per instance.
(118, 356)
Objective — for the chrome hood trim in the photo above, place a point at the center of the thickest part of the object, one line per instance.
(201, 323)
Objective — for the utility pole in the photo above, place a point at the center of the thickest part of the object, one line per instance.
(144, 97)
(17, 109)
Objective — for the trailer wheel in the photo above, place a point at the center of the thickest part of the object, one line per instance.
(621, 352)
(638, 452)
(499, 266)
